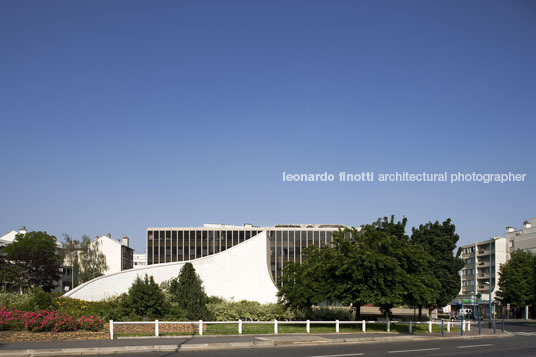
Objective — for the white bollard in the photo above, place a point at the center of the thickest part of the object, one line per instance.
(337, 326)
(308, 326)
(468, 325)
(388, 325)
(156, 328)
(364, 326)
(430, 326)
(111, 329)
(448, 326)
(239, 326)
(275, 327)
(200, 327)
(410, 326)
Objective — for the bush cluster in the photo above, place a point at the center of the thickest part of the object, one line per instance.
(224, 310)
(16, 320)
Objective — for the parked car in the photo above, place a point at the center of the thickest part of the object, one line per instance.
(465, 313)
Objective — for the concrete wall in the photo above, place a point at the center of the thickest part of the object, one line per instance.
(240, 272)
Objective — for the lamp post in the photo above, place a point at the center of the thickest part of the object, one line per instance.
(490, 240)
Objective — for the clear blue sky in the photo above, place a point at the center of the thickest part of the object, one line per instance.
(119, 115)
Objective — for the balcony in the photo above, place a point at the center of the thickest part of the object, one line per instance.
(483, 252)
(483, 264)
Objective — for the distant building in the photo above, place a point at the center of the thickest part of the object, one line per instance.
(9, 237)
(140, 260)
(524, 238)
(482, 262)
(119, 256)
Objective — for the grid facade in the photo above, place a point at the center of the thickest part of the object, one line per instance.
(286, 243)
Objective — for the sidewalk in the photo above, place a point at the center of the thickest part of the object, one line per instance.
(193, 343)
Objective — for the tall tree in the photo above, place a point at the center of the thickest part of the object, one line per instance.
(38, 258)
(92, 260)
(85, 257)
(439, 241)
(517, 279)
(187, 290)
(374, 264)
(71, 252)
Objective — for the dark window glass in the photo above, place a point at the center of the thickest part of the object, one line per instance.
(235, 237)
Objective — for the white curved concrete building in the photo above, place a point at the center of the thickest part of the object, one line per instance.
(234, 262)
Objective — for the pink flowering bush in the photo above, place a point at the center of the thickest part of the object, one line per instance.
(16, 320)
(91, 323)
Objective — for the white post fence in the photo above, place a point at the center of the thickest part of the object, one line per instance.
(201, 325)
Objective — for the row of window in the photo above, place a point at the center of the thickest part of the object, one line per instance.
(164, 246)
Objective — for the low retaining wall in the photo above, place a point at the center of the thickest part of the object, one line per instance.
(163, 328)
(26, 336)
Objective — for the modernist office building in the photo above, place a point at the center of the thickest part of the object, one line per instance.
(286, 242)
(234, 262)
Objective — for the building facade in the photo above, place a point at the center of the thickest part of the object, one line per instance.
(524, 238)
(480, 272)
(482, 265)
(119, 256)
(286, 241)
(234, 262)
(140, 260)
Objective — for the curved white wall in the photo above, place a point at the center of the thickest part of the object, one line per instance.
(240, 272)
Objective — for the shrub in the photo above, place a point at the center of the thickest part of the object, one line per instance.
(146, 299)
(224, 310)
(187, 290)
(40, 321)
(15, 300)
(90, 323)
(326, 314)
(40, 299)
(11, 319)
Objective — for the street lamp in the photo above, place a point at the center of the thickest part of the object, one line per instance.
(489, 299)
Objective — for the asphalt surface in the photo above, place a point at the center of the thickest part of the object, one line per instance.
(513, 346)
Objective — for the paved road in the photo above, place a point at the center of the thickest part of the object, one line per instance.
(492, 347)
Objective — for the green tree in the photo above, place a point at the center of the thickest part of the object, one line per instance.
(71, 252)
(374, 264)
(517, 279)
(146, 298)
(12, 276)
(303, 285)
(92, 260)
(38, 257)
(187, 290)
(85, 258)
(439, 241)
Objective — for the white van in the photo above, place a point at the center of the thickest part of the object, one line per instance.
(465, 313)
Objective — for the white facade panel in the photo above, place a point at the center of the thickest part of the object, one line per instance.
(239, 273)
